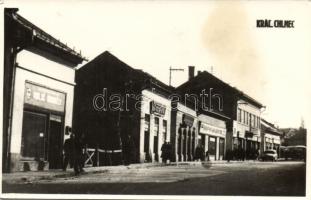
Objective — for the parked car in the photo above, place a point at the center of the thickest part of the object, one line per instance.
(269, 155)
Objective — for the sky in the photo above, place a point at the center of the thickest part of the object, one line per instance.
(272, 65)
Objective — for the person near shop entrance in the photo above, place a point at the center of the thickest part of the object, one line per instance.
(68, 152)
(166, 152)
(73, 154)
(199, 153)
(207, 155)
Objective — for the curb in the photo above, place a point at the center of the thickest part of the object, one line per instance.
(107, 169)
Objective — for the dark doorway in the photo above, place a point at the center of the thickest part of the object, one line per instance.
(34, 136)
(221, 148)
(55, 142)
(212, 147)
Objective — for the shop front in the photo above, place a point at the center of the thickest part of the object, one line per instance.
(271, 136)
(212, 136)
(43, 125)
(184, 133)
(42, 109)
(155, 126)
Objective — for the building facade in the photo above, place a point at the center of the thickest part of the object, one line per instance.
(115, 102)
(270, 137)
(41, 91)
(246, 128)
(240, 114)
(184, 137)
(155, 126)
(212, 136)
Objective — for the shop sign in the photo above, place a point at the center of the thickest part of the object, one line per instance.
(43, 97)
(212, 130)
(157, 108)
(249, 134)
(188, 120)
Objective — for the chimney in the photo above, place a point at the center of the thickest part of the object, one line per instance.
(191, 72)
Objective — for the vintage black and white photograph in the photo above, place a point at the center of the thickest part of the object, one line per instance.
(155, 99)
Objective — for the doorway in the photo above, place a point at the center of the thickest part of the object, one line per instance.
(34, 131)
(55, 142)
(212, 147)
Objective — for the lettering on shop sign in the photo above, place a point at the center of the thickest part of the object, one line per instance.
(43, 97)
(249, 134)
(187, 120)
(209, 129)
(157, 108)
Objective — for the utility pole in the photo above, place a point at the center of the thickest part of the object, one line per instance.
(173, 69)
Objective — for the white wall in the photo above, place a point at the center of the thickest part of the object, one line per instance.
(44, 66)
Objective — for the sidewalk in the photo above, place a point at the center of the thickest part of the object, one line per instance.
(30, 176)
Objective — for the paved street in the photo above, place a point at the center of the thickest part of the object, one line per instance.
(249, 178)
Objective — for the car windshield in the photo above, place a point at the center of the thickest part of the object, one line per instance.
(269, 152)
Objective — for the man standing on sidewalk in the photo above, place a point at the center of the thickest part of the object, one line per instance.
(73, 154)
(68, 152)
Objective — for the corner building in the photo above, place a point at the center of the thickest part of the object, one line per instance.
(39, 90)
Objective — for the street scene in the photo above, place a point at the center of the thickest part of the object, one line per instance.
(288, 179)
(159, 108)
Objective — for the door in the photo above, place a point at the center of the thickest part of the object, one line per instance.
(55, 142)
(212, 147)
(33, 145)
(221, 148)
(155, 139)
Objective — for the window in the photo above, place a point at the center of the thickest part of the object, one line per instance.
(239, 115)
(255, 121)
(251, 120)
(242, 116)
(246, 113)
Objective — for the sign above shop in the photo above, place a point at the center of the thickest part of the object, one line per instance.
(249, 134)
(212, 130)
(157, 108)
(43, 97)
(187, 120)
